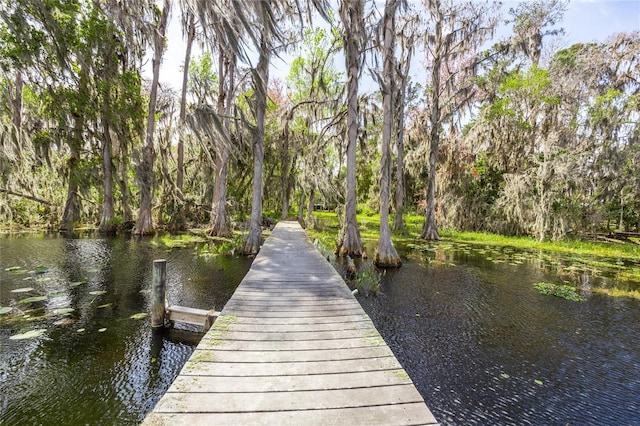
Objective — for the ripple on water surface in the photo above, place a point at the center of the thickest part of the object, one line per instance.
(484, 347)
(96, 365)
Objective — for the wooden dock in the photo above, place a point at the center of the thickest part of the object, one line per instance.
(292, 347)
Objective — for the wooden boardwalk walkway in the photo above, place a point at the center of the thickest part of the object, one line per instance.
(292, 346)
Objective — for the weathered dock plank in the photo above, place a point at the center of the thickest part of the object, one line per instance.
(344, 354)
(222, 402)
(292, 383)
(213, 367)
(292, 346)
(393, 415)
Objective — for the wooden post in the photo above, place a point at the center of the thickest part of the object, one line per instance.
(159, 294)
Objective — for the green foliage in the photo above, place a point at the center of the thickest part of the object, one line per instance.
(368, 280)
(613, 260)
(487, 181)
(222, 246)
(115, 222)
(368, 169)
(203, 79)
(620, 251)
(616, 292)
(567, 58)
(533, 84)
(177, 241)
(563, 291)
(317, 51)
(501, 107)
(549, 152)
(366, 210)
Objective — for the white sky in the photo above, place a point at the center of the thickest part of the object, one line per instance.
(584, 21)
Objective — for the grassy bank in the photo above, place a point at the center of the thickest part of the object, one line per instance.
(615, 250)
(328, 229)
(570, 259)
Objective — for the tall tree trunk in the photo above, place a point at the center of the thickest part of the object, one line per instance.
(106, 222)
(191, 35)
(15, 97)
(351, 13)
(123, 183)
(430, 229)
(144, 225)
(260, 80)
(284, 178)
(621, 222)
(398, 222)
(311, 221)
(220, 224)
(386, 254)
(301, 208)
(179, 220)
(284, 208)
(72, 206)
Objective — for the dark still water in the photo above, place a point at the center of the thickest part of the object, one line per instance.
(484, 347)
(481, 344)
(93, 363)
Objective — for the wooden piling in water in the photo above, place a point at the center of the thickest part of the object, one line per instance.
(163, 315)
(159, 294)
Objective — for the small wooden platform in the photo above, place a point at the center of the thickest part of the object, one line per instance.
(192, 316)
(292, 347)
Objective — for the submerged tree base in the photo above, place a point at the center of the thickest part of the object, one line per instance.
(144, 225)
(350, 242)
(222, 232)
(108, 228)
(220, 227)
(430, 232)
(253, 242)
(389, 258)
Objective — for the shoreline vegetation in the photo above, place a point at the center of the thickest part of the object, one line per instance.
(328, 221)
(620, 260)
(577, 255)
(328, 225)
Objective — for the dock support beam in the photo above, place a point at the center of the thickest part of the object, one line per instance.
(159, 294)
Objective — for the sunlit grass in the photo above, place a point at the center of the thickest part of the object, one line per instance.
(616, 292)
(369, 229)
(618, 260)
(369, 226)
(615, 250)
(629, 275)
(175, 241)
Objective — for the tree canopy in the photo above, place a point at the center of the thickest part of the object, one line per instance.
(510, 135)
